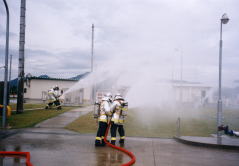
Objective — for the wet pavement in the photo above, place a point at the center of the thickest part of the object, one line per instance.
(223, 142)
(51, 145)
(59, 147)
(62, 120)
(12, 161)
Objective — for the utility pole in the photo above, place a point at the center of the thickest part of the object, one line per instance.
(92, 48)
(20, 91)
(92, 62)
(10, 72)
(181, 77)
(10, 69)
(5, 96)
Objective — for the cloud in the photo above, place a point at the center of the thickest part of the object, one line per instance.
(135, 33)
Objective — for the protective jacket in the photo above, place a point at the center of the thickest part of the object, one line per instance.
(104, 110)
(51, 96)
(116, 111)
(57, 94)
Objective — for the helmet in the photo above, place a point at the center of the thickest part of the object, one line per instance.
(105, 98)
(119, 97)
(108, 95)
(117, 94)
(56, 87)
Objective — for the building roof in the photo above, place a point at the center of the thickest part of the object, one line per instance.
(179, 83)
(46, 77)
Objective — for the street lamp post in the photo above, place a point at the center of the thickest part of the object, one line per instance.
(224, 20)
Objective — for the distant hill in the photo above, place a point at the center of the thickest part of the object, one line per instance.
(44, 76)
(80, 76)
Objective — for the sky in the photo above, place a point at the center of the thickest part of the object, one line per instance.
(151, 38)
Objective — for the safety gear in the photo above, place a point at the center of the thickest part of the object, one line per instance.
(53, 98)
(109, 96)
(123, 112)
(121, 133)
(113, 130)
(117, 94)
(96, 113)
(119, 110)
(105, 98)
(100, 134)
(119, 97)
(56, 87)
(121, 141)
(104, 112)
(57, 93)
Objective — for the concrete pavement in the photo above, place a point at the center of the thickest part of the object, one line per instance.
(59, 147)
(64, 119)
(225, 142)
(51, 145)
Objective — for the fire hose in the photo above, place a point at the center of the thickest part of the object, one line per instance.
(25, 154)
(130, 154)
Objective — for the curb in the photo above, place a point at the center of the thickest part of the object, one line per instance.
(7, 133)
(207, 145)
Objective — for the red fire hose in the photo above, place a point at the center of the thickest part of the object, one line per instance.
(25, 154)
(130, 154)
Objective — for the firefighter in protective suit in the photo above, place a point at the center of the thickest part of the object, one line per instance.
(53, 98)
(119, 110)
(104, 112)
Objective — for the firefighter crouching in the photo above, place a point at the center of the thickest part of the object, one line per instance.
(103, 113)
(119, 111)
(54, 98)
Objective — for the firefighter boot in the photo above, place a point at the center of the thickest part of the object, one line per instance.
(121, 141)
(112, 142)
(103, 143)
(98, 143)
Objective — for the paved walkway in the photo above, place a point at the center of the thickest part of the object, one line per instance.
(51, 145)
(64, 119)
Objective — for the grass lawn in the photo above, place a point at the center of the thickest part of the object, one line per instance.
(156, 123)
(32, 117)
(28, 106)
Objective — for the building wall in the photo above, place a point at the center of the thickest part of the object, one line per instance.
(192, 94)
(78, 96)
(37, 87)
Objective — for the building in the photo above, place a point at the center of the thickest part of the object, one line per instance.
(35, 88)
(192, 93)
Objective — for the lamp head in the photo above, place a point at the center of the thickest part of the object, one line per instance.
(224, 18)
